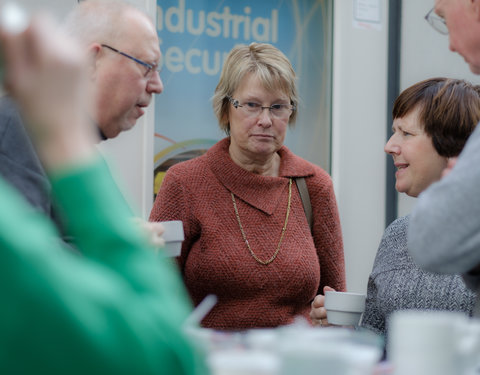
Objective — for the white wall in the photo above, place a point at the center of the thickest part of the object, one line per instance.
(359, 132)
(57, 8)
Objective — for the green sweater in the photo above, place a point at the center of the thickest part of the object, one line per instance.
(115, 309)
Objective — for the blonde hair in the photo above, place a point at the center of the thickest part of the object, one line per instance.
(267, 63)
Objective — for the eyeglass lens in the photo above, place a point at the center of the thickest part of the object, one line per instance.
(437, 22)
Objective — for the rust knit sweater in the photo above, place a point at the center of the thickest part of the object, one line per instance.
(215, 258)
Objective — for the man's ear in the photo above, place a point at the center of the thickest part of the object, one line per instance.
(93, 58)
(475, 7)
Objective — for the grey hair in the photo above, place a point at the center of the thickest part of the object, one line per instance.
(267, 63)
(98, 20)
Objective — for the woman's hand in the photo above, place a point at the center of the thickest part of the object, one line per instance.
(318, 313)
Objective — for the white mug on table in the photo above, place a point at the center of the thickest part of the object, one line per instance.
(433, 342)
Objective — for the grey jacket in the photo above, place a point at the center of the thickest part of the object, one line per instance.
(19, 164)
(397, 283)
(445, 231)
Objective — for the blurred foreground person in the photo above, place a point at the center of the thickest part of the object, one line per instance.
(117, 309)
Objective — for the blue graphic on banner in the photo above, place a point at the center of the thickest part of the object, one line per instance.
(195, 38)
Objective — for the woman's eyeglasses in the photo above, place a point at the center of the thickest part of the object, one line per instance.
(252, 109)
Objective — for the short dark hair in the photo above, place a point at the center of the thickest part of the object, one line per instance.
(449, 111)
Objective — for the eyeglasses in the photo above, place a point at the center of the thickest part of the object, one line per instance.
(437, 22)
(151, 68)
(252, 109)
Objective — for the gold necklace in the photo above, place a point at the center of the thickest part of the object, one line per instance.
(265, 262)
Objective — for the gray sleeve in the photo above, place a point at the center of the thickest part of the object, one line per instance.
(19, 163)
(373, 318)
(444, 231)
(386, 276)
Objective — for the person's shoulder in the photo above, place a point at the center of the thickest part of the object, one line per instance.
(392, 251)
(304, 167)
(188, 167)
(14, 140)
(398, 226)
(8, 105)
(318, 177)
(9, 113)
(394, 239)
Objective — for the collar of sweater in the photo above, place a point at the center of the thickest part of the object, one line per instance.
(262, 192)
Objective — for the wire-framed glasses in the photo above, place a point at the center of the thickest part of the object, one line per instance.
(252, 109)
(437, 22)
(150, 68)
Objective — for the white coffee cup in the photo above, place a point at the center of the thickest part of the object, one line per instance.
(243, 362)
(173, 237)
(344, 308)
(329, 351)
(433, 342)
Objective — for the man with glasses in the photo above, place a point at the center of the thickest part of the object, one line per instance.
(444, 235)
(122, 76)
(124, 54)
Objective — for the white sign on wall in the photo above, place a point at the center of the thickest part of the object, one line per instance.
(367, 14)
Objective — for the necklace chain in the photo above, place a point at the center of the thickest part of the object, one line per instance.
(265, 262)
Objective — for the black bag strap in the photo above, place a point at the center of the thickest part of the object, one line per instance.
(305, 197)
(476, 308)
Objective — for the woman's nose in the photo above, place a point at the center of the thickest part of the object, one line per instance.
(392, 147)
(265, 117)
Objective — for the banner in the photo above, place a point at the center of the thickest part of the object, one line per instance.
(195, 38)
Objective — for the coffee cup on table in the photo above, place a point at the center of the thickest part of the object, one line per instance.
(344, 308)
(433, 342)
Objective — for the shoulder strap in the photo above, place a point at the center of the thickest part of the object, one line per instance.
(305, 197)
(476, 309)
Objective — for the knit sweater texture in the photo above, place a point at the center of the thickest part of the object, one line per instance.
(397, 283)
(215, 258)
